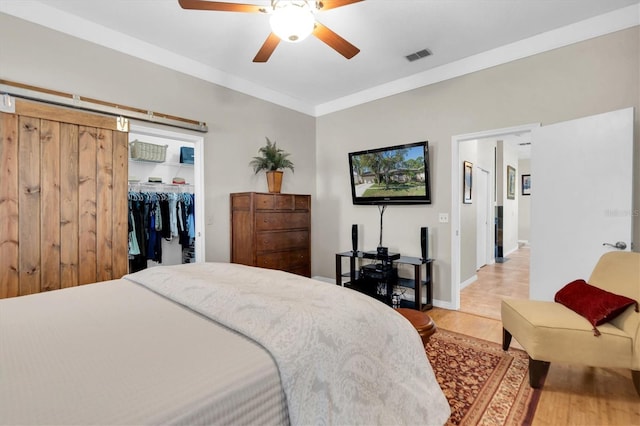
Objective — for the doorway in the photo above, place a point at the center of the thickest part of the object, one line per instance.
(456, 190)
(164, 136)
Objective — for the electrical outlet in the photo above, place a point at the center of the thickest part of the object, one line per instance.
(443, 218)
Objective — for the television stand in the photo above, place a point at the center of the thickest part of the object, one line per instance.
(363, 277)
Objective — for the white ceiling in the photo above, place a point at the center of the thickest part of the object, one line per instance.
(463, 36)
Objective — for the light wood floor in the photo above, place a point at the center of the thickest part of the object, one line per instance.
(572, 395)
(495, 282)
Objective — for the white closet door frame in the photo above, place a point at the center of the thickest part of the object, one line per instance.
(198, 173)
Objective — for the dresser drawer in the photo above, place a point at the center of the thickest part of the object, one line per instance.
(270, 260)
(267, 221)
(302, 202)
(297, 259)
(265, 201)
(274, 241)
(285, 260)
(305, 270)
(286, 202)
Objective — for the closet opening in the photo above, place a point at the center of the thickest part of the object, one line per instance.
(165, 197)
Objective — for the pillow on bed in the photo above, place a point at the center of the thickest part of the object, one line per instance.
(596, 305)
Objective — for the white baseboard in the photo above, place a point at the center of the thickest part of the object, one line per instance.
(468, 282)
(511, 251)
(444, 305)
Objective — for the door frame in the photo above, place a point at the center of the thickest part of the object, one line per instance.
(198, 173)
(456, 196)
(484, 203)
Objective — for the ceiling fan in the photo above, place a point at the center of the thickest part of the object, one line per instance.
(291, 21)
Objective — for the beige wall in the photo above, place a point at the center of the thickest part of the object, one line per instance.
(586, 78)
(237, 123)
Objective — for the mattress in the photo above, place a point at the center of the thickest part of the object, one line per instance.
(117, 353)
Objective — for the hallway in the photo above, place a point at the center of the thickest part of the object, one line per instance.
(495, 282)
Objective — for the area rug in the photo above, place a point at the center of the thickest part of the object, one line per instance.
(483, 384)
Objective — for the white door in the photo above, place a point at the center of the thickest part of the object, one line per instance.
(581, 172)
(482, 213)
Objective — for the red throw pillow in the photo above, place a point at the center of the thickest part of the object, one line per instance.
(595, 304)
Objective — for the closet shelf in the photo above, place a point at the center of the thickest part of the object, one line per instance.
(160, 187)
(164, 163)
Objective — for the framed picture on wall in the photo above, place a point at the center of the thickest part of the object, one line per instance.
(511, 183)
(467, 182)
(526, 184)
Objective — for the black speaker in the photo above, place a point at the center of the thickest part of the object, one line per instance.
(354, 237)
(424, 242)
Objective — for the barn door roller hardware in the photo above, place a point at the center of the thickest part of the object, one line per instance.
(19, 90)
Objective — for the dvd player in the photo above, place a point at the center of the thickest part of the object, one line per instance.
(378, 271)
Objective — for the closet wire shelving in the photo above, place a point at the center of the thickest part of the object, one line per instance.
(152, 187)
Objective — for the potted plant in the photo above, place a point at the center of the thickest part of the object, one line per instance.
(272, 159)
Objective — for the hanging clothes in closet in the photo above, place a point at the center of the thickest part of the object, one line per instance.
(156, 216)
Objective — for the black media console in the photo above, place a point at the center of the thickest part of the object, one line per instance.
(376, 274)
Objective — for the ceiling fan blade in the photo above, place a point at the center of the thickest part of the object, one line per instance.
(334, 41)
(332, 4)
(220, 6)
(267, 48)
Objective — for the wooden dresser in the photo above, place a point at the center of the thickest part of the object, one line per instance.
(272, 231)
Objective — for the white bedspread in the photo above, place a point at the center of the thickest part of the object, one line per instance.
(344, 358)
(116, 353)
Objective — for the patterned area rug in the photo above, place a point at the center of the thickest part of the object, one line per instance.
(484, 384)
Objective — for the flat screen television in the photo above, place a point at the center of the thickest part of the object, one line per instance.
(392, 175)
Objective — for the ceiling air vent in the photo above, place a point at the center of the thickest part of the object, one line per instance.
(418, 55)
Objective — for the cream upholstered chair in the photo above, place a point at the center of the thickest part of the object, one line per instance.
(551, 332)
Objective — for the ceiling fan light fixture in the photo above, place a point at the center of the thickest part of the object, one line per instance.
(292, 21)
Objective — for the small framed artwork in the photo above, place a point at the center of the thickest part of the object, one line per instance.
(511, 183)
(467, 181)
(526, 184)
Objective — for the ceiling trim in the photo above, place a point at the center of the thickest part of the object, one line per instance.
(55, 19)
(594, 27)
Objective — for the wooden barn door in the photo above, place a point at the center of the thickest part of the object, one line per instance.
(63, 199)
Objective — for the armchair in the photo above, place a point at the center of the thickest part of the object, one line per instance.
(551, 332)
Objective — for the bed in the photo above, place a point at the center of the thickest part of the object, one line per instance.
(212, 343)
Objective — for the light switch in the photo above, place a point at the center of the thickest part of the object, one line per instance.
(443, 218)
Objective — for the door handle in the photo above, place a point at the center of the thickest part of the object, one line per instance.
(620, 245)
